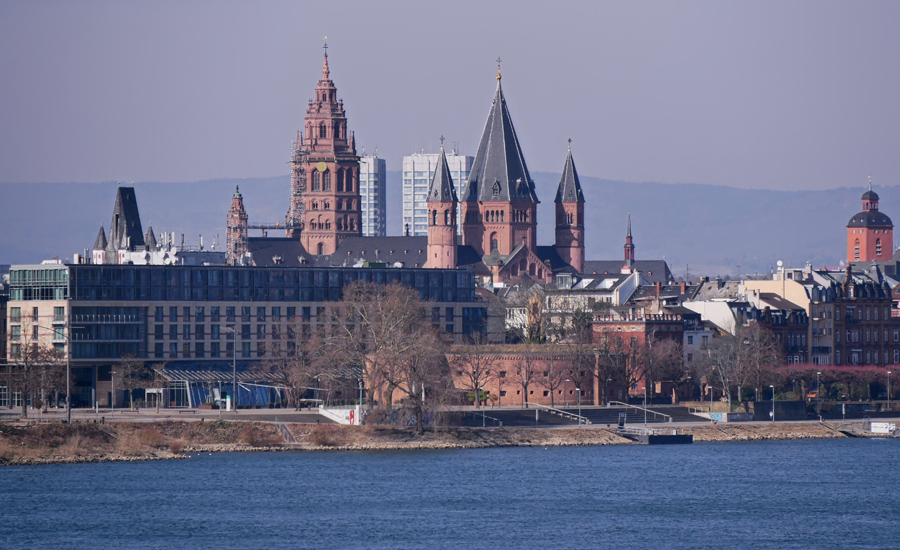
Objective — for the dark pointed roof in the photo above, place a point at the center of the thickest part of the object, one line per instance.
(100, 242)
(569, 189)
(498, 172)
(125, 228)
(150, 239)
(870, 196)
(441, 188)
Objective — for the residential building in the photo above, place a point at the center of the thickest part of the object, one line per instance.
(418, 171)
(373, 195)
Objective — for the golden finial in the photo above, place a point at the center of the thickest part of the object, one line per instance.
(570, 144)
(498, 67)
(870, 182)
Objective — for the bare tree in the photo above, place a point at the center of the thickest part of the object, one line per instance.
(420, 373)
(663, 362)
(135, 375)
(36, 365)
(555, 372)
(526, 370)
(295, 361)
(618, 360)
(474, 366)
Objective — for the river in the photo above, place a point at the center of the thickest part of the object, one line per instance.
(785, 494)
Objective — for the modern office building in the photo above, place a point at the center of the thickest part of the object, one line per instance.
(418, 171)
(188, 320)
(373, 195)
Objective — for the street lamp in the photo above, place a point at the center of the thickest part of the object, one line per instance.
(233, 331)
(773, 402)
(818, 394)
(68, 338)
(889, 391)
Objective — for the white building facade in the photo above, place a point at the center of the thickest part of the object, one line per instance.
(418, 170)
(373, 190)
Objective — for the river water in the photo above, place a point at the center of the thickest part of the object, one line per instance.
(789, 494)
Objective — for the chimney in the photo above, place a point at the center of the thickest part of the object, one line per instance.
(683, 287)
(658, 287)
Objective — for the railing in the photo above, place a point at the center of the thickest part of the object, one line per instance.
(564, 414)
(648, 411)
(649, 431)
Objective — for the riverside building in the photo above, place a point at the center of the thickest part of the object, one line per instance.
(373, 195)
(191, 321)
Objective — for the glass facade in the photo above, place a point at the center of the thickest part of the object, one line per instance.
(373, 194)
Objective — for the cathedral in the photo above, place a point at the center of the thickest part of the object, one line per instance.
(486, 224)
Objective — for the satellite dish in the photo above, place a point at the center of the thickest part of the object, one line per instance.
(779, 263)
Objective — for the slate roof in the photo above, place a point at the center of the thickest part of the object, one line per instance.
(870, 196)
(569, 189)
(150, 239)
(409, 251)
(870, 218)
(125, 230)
(264, 250)
(499, 172)
(653, 271)
(100, 242)
(441, 188)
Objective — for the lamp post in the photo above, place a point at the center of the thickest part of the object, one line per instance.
(889, 391)
(773, 402)
(112, 392)
(818, 394)
(234, 390)
(68, 338)
(578, 391)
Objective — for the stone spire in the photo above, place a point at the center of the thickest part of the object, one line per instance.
(570, 216)
(629, 245)
(441, 204)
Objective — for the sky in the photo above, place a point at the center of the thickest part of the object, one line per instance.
(760, 95)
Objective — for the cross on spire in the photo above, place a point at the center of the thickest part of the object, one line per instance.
(442, 141)
(325, 45)
(570, 144)
(498, 67)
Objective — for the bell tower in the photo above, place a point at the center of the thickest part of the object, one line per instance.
(237, 229)
(870, 233)
(441, 204)
(325, 174)
(570, 216)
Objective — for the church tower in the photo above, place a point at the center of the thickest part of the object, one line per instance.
(441, 204)
(870, 233)
(325, 174)
(236, 229)
(570, 216)
(629, 249)
(498, 202)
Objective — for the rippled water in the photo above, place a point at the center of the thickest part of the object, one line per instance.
(803, 494)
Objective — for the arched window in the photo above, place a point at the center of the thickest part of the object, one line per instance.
(337, 131)
(494, 243)
(340, 224)
(348, 182)
(320, 249)
(446, 217)
(322, 131)
(501, 215)
(326, 181)
(878, 247)
(856, 250)
(340, 180)
(434, 217)
(316, 180)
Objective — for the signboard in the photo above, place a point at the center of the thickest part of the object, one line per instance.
(883, 427)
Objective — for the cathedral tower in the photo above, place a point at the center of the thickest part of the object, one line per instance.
(236, 229)
(325, 199)
(441, 202)
(498, 202)
(570, 216)
(870, 233)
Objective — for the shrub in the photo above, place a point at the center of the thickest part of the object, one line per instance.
(176, 446)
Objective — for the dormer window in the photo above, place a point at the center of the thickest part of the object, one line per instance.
(496, 189)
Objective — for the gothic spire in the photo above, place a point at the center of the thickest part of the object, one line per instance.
(441, 188)
(569, 189)
(499, 172)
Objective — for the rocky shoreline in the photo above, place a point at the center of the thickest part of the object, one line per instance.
(306, 437)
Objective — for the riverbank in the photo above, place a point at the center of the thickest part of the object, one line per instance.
(59, 443)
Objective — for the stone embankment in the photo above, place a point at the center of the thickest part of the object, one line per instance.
(126, 442)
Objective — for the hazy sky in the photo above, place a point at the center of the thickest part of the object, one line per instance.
(779, 95)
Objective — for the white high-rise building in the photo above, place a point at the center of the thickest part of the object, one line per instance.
(373, 191)
(418, 169)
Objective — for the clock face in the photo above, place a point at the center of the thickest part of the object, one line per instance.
(321, 167)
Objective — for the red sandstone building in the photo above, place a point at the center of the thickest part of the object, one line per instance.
(870, 233)
(497, 205)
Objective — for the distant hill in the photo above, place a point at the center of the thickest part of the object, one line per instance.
(711, 229)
